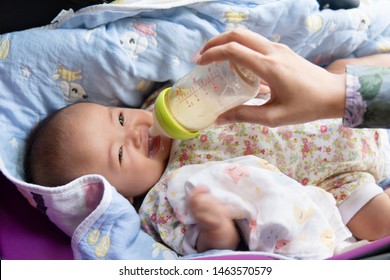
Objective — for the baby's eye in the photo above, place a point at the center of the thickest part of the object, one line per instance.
(120, 154)
(121, 119)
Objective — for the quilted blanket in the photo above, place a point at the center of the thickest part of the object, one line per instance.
(114, 54)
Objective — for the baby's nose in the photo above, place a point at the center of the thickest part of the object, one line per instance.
(134, 135)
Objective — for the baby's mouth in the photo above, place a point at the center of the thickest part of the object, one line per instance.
(153, 145)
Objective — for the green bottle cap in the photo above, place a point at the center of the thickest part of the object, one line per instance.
(167, 121)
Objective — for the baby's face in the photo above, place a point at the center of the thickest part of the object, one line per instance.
(115, 142)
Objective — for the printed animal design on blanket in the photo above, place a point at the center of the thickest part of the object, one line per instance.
(266, 165)
(71, 89)
(4, 48)
(69, 75)
(301, 216)
(327, 238)
(234, 19)
(136, 41)
(314, 23)
(316, 35)
(236, 172)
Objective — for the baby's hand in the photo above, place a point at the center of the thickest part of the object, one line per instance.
(207, 210)
(217, 230)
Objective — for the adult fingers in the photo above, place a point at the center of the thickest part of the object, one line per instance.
(269, 114)
(239, 54)
(243, 113)
(227, 51)
(243, 37)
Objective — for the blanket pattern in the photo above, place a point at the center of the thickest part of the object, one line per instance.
(113, 54)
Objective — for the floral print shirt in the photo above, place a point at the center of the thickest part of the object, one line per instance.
(323, 153)
(367, 97)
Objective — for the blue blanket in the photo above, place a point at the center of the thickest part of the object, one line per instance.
(114, 55)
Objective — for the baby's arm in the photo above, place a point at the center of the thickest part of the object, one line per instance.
(217, 230)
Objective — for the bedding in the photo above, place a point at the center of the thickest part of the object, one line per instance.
(114, 54)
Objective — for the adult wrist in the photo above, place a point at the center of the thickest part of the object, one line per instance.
(354, 103)
(337, 96)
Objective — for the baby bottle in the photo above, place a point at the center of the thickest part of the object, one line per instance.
(196, 100)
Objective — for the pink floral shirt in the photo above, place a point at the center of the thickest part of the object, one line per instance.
(325, 154)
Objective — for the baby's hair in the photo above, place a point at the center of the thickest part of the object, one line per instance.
(46, 152)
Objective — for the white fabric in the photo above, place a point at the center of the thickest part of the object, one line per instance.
(274, 213)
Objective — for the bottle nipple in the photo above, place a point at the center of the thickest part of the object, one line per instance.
(153, 130)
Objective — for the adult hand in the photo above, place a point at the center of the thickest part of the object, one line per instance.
(300, 91)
